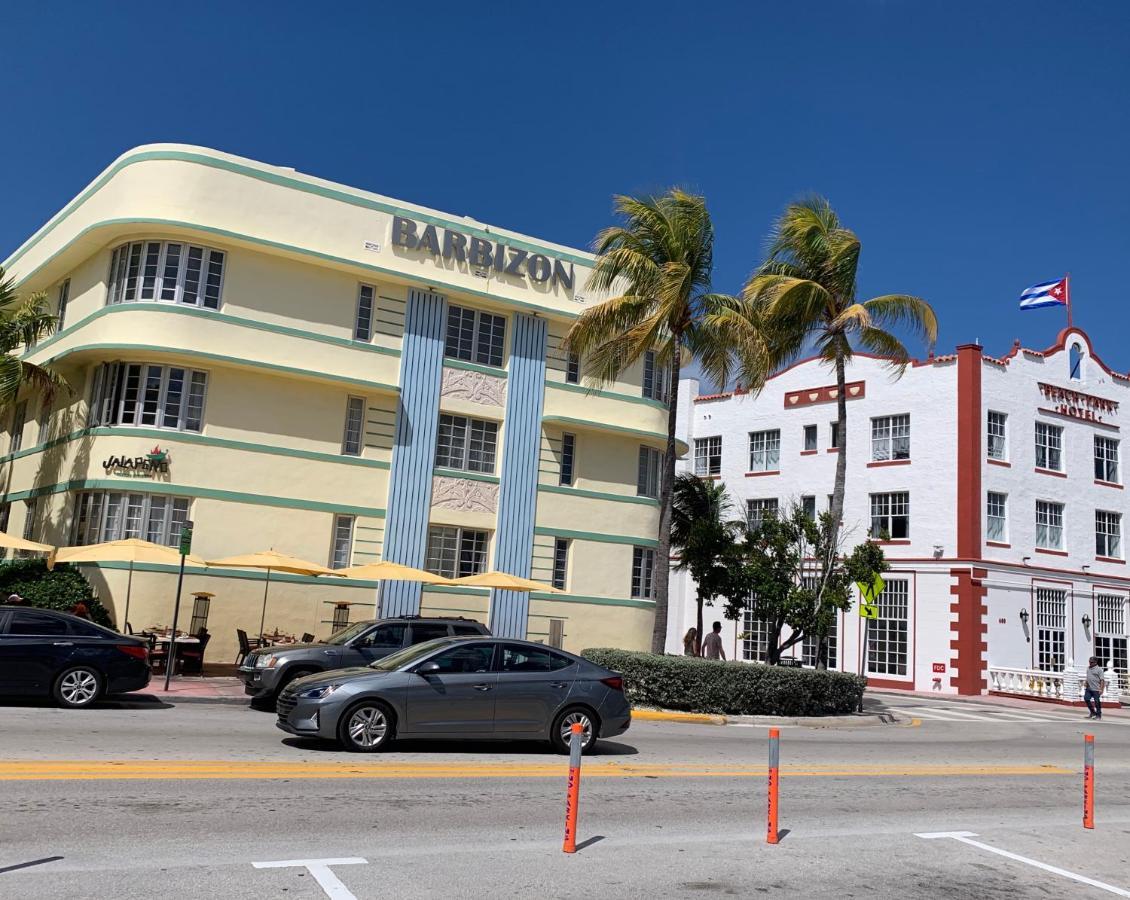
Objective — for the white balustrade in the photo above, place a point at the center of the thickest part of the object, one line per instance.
(1026, 682)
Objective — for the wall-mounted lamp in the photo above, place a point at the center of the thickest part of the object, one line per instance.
(1025, 561)
(1085, 568)
(1086, 621)
(1024, 625)
(938, 551)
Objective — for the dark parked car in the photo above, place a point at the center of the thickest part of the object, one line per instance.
(461, 689)
(71, 659)
(266, 672)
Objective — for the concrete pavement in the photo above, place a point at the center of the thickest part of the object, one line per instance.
(678, 810)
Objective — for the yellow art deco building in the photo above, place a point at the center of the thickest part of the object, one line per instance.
(297, 364)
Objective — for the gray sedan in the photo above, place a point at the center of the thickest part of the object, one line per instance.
(460, 689)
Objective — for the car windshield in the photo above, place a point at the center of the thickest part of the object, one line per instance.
(408, 655)
(349, 633)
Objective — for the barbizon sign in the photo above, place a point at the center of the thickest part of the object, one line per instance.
(480, 253)
(1077, 404)
(153, 463)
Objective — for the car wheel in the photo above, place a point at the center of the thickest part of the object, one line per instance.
(77, 687)
(366, 727)
(562, 732)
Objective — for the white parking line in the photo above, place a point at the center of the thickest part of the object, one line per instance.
(320, 869)
(964, 837)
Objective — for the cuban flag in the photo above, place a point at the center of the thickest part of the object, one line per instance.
(1048, 293)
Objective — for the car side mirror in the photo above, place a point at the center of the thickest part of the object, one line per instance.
(428, 668)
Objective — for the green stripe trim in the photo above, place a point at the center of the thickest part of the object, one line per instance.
(183, 437)
(449, 363)
(226, 318)
(597, 495)
(275, 178)
(229, 360)
(244, 574)
(459, 473)
(568, 421)
(140, 485)
(446, 589)
(598, 538)
(609, 395)
(594, 601)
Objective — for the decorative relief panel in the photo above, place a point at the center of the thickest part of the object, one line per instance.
(477, 387)
(464, 494)
(855, 390)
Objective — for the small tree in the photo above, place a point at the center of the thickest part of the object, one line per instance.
(59, 589)
(704, 538)
(791, 573)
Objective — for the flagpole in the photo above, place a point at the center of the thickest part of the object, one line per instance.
(1067, 285)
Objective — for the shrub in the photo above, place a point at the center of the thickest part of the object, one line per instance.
(60, 589)
(712, 686)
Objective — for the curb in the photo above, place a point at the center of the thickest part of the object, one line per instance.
(857, 720)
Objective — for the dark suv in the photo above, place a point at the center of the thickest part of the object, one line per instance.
(266, 672)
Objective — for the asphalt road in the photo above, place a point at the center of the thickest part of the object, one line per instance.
(141, 800)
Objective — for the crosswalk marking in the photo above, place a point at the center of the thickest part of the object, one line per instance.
(946, 714)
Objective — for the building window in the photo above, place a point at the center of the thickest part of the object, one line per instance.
(149, 396)
(890, 516)
(19, 418)
(466, 444)
(166, 271)
(1075, 358)
(997, 435)
(643, 573)
(648, 477)
(1049, 525)
(560, 562)
(354, 426)
(996, 523)
(61, 307)
(834, 435)
(5, 516)
(568, 458)
(890, 438)
(757, 510)
(810, 437)
(456, 552)
(363, 323)
(1111, 635)
(808, 506)
(1051, 623)
(755, 637)
(31, 518)
(116, 515)
(341, 553)
(655, 378)
(1108, 534)
(1049, 447)
(765, 451)
(573, 369)
(809, 649)
(887, 642)
(708, 456)
(475, 336)
(1106, 459)
(44, 423)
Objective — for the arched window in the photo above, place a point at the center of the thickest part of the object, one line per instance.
(1075, 358)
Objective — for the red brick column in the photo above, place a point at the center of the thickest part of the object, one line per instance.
(969, 663)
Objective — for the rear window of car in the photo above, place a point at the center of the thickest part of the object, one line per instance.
(36, 624)
(532, 659)
(467, 629)
(86, 629)
(426, 632)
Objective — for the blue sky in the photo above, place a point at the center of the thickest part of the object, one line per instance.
(975, 147)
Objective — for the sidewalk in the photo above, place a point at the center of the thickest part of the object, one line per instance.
(1007, 702)
(192, 689)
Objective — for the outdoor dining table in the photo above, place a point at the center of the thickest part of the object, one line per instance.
(181, 639)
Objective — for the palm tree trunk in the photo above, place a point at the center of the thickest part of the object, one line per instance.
(840, 486)
(663, 553)
(698, 626)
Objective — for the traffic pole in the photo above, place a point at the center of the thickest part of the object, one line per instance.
(1088, 781)
(774, 777)
(574, 792)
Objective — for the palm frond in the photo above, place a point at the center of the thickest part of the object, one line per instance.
(904, 311)
(883, 343)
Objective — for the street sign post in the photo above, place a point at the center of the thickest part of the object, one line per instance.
(185, 549)
(868, 609)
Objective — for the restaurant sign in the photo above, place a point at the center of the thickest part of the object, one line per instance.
(480, 254)
(1076, 404)
(150, 465)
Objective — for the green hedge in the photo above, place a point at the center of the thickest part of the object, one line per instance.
(710, 686)
(60, 589)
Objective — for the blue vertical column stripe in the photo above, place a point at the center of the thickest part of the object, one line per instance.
(414, 447)
(517, 498)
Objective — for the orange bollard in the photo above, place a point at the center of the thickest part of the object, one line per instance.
(774, 762)
(574, 792)
(1089, 781)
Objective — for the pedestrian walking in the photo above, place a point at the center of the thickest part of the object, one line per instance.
(1096, 684)
(80, 610)
(16, 600)
(712, 645)
(690, 640)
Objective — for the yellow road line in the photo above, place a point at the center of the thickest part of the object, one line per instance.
(109, 770)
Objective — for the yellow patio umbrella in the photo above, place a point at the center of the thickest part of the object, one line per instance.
(272, 561)
(504, 581)
(390, 571)
(11, 542)
(129, 550)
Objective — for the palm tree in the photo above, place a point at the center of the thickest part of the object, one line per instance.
(805, 296)
(23, 322)
(657, 264)
(704, 538)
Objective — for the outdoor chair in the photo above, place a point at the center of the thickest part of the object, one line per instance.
(191, 656)
(307, 638)
(246, 645)
(158, 653)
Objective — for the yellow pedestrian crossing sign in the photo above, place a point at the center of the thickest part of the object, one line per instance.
(869, 596)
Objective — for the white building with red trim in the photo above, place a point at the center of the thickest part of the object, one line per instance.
(995, 486)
